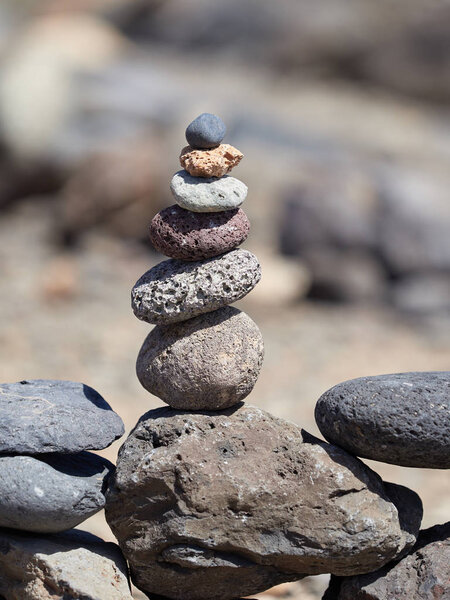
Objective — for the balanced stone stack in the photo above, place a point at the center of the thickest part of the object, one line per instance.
(51, 482)
(214, 499)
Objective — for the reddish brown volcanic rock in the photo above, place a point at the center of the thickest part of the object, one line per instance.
(187, 235)
(210, 163)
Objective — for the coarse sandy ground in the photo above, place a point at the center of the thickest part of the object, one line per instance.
(67, 316)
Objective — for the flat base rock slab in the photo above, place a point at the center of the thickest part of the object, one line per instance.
(206, 131)
(41, 416)
(224, 505)
(187, 235)
(175, 290)
(402, 419)
(53, 493)
(424, 574)
(209, 362)
(208, 195)
(73, 565)
(210, 163)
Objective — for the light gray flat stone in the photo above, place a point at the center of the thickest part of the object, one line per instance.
(65, 566)
(176, 290)
(210, 194)
(40, 416)
(53, 493)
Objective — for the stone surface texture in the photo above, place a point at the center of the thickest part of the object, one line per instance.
(209, 362)
(402, 419)
(206, 131)
(423, 574)
(52, 493)
(210, 163)
(223, 505)
(187, 235)
(74, 565)
(40, 416)
(207, 194)
(176, 290)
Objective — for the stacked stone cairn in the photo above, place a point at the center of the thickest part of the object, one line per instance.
(215, 499)
(50, 482)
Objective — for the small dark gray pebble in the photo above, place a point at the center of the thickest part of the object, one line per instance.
(401, 419)
(53, 493)
(206, 131)
(40, 416)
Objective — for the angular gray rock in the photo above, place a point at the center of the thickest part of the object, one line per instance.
(175, 290)
(423, 574)
(209, 362)
(53, 493)
(65, 566)
(402, 419)
(223, 505)
(41, 416)
(207, 194)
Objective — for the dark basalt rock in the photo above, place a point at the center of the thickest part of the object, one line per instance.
(224, 505)
(40, 416)
(423, 574)
(188, 235)
(51, 493)
(402, 419)
(206, 131)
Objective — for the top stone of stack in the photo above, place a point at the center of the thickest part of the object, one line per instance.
(206, 131)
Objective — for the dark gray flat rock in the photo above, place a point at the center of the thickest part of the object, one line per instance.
(51, 493)
(40, 416)
(402, 419)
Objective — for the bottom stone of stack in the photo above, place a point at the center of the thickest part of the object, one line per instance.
(209, 362)
(423, 573)
(52, 492)
(224, 505)
(64, 566)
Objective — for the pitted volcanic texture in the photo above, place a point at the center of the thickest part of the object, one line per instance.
(52, 493)
(186, 235)
(224, 505)
(209, 194)
(402, 419)
(175, 290)
(423, 574)
(209, 362)
(210, 163)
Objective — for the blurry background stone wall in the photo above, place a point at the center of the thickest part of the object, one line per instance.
(341, 108)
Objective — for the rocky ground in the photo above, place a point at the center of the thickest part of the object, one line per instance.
(67, 315)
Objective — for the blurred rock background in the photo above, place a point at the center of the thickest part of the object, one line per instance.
(342, 111)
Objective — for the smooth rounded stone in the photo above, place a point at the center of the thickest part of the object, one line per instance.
(423, 574)
(175, 290)
(65, 566)
(210, 163)
(206, 131)
(224, 505)
(187, 235)
(44, 415)
(52, 493)
(402, 419)
(208, 194)
(209, 362)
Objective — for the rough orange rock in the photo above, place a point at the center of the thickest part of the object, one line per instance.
(210, 163)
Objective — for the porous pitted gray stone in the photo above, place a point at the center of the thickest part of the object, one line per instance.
(223, 505)
(188, 235)
(39, 416)
(402, 419)
(423, 574)
(51, 493)
(209, 362)
(176, 290)
(210, 194)
(73, 565)
(206, 131)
